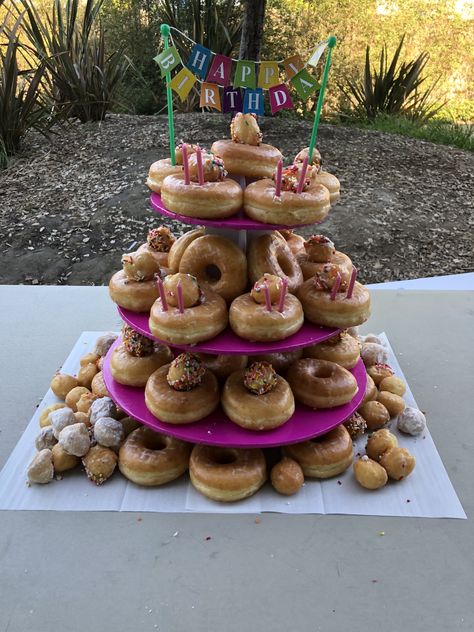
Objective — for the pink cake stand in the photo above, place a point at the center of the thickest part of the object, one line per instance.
(228, 342)
(237, 222)
(217, 429)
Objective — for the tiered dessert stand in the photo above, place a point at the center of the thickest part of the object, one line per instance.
(216, 429)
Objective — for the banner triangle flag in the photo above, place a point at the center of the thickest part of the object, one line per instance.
(167, 60)
(316, 56)
(182, 83)
(304, 84)
(210, 97)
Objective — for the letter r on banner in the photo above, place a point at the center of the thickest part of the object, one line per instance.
(280, 98)
(199, 59)
(253, 102)
(210, 96)
(182, 83)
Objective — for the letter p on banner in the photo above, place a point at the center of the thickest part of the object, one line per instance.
(280, 98)
(210, 97)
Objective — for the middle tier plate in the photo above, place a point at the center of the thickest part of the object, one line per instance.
(217, 429)
(229, 342)
(236, 222)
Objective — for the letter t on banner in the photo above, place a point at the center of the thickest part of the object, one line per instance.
(233, 101)
(280, 98)
(210, 97)
(199, 59)
(253, 102)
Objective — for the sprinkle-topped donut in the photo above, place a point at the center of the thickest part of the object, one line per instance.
(185, 372)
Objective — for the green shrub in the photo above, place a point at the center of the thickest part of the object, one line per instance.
(85, 78)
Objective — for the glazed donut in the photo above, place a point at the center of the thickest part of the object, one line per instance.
(223, 365)
(227, 474)
(270, 253)
(200, 322)
(252, 321)
(150, 458)
(219, 263)
(279, 361)
(324, 456)
(158, 171)
(136, 358)
(295, 242)
(134, 287)
(182, 392)
(331, 183)
(158, 244)
(211, 200)
(341, 349)
(290, 208)
(341, 312)
(257, 398)
(179, 246)
(319, 250)
(321, 384)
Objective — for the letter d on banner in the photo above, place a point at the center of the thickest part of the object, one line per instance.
(280, 98)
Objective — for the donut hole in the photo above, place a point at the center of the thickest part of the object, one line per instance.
(224, 456)
(323, 372)
(154, 441)
(285, 264)
(213, 274)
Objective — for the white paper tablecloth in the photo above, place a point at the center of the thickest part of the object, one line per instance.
(426, 493)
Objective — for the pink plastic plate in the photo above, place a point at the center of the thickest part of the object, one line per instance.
(238, 222)
(228, 342)
(217, 429)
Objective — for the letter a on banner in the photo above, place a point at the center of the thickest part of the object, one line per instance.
(280, 98)
(220, 70)
(210, 97)
(253, 102)
(167, 60)
(182, 83)
(199, 60)
(304, 84)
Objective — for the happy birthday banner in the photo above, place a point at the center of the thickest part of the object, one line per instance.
(229, 85)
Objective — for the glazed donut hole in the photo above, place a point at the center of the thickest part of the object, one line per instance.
(45, 419)
(74, 396)
(84, 402)
(393, 403)
(287, 477)
(379, 371)
(375, 414)
(398, 463)
(272, 282)
(380, 442)
(140, 266)
(62, 383)
(86, 374)
(83, 418)
(189, 288)
(62, 461)
(394, 385)
(369, 474)
(89, 358)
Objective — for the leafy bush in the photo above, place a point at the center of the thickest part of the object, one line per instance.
(393, 89)
(85, 79)
(23, 104)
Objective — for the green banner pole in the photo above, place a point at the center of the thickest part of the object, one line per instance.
(331, 43)
(165, 33)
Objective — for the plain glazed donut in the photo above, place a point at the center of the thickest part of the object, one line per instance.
(134, 370)
(175, 406)
(252, 321)
(371, 390)
(279, 361)
(251, 161)
(290, 208)
(257, 409)
(227, 474)
(150, 458)
(196, 324)
(179, 246)
(159, 170)
(321, 384)
(331, 183)
(270, 253)
(223, 365)
(341, 349)
(295, 242)
(211, 200)
(324, 456)
(341, 312)
(137, 296)
(219, 263)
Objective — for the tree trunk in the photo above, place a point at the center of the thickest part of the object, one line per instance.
(252, 29)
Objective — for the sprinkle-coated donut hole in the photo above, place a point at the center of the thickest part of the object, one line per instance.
(153, 441)
(224, 456)
(213, 273)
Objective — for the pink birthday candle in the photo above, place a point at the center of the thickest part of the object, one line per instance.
(303, 175)
(335, 287)
(185, 164)
(179, 291)
(278, 178)
(161, 289)
(267, 297)
(199, 165)
(350, 289)
(283, 287)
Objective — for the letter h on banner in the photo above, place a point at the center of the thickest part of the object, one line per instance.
(199, 60)
(253, 102)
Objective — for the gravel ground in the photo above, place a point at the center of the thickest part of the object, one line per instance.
(70, 207)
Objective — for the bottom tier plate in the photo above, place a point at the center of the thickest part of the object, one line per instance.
(217, 429)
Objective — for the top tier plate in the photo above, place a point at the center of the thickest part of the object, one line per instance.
(237, 222)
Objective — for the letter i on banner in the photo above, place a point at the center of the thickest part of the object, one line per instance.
(210, 97)
(253, 102)
(199, 59)
(280, 98)
(233, 101)
(182, 83)
(167, 60)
